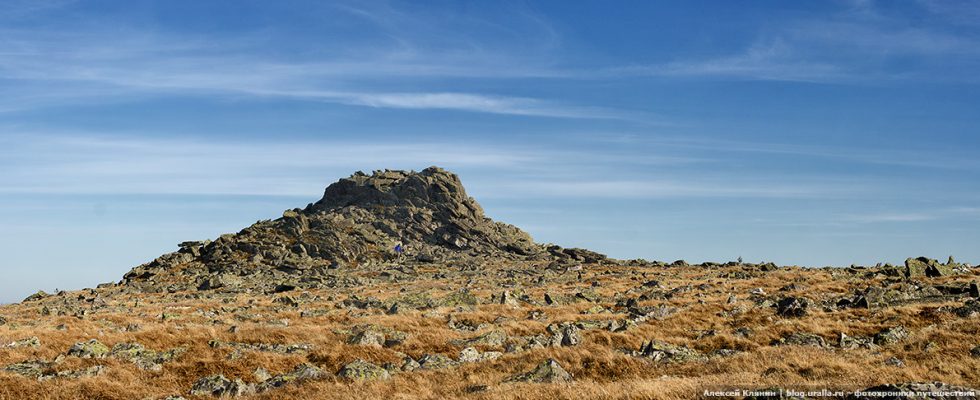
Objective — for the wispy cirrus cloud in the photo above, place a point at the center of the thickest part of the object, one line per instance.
(859, 45)
(118, 165)
(770, 61)
(130, 71)
(404, 67)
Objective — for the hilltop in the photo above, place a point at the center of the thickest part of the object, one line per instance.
(396, 285)
(394, 217)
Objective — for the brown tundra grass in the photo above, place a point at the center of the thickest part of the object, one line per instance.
(938, 348)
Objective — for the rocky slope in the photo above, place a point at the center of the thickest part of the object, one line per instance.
(359, 221)
(318, 304)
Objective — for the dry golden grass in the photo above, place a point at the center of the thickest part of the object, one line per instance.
(938, 348)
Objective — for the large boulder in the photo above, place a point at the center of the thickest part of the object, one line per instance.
(927, 267)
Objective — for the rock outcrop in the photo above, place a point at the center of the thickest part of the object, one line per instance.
(394, 217)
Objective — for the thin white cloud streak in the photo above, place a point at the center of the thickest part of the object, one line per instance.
(10, 9)
(918, 158)
(941, 214)
(683, 188)
(965, 12)
(55, 83)
(857, 46)
(113, 166)
(55, 68)
(762, 62)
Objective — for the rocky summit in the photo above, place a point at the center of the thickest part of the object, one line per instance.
(409, 218)
(397, 285)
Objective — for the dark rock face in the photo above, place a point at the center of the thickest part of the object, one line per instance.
(387, 217)
(792, 307)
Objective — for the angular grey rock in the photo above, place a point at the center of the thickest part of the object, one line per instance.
(219, 386)
(926, 267)
(409, 364)
(436, 361)
(566, 334)
(547, 372)
(31, 368)
(895, 362)
(90, 349)
(793, 307)
(660, 351)
(891, 336)
(302, 372)
(470, 354)
(362, 370)
(494, 338)
(368, 337)
(801, 339)
(32, 341)
(36, 296)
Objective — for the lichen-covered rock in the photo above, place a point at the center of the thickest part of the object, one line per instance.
(493, 338)
(218, 385)
(801, 339)
(264, 347)
(565, 334)
(43, 370)
(436, 361)
(301, 373)
(506, 298)
(409, 364)
(374, 335)
(547, 372)
(368, 337)
(459, 298)
(665, 352)
(31, 368)
(363, 370)
(470, 354)
(891, 336)
(854, 342)
(94, 370)
(144, 358)
(90, 349)
(32, 341)
(37, 296)
(926, 267)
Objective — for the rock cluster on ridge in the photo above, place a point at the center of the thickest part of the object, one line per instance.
(395, 217)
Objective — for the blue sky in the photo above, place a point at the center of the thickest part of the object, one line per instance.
(812, 133)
